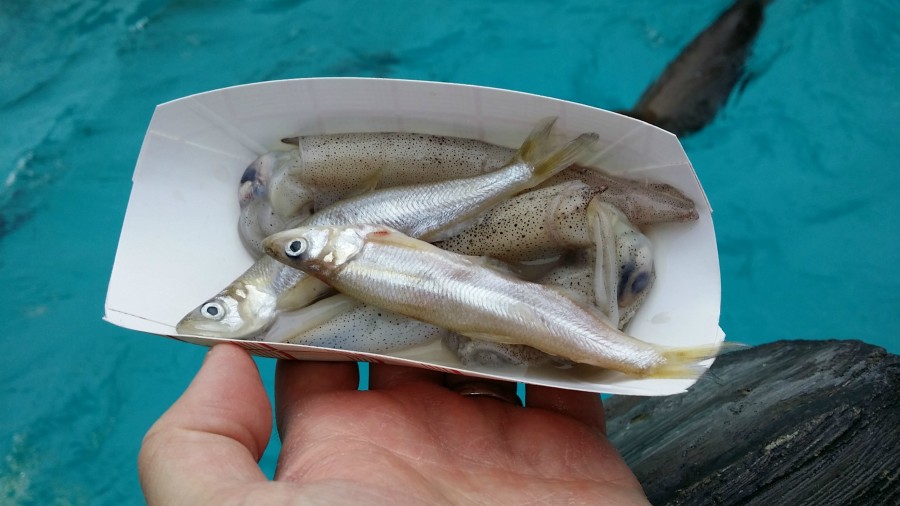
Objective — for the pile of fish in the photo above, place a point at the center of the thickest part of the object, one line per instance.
(376, 242)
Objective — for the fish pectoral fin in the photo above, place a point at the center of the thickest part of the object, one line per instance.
(304, 292)
(288, 325)
(537, 152)
(452, 229)
(498, 266)
(491, 337)
(390, 236)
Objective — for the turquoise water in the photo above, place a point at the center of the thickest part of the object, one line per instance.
(801, 169)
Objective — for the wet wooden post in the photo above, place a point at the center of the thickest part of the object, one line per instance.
(790, 422)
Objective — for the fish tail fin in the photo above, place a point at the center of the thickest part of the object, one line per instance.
(534, 152)
(685, 362)
(535, 145)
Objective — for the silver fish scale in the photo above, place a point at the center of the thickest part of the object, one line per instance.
(425, 209)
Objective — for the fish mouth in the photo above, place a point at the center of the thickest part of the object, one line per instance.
(272, 246)
(192, 326)
(195, 324)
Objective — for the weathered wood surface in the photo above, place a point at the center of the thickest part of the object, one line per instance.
(790, 422)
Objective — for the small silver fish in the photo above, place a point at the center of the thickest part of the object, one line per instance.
(573, 273)
(250, 303)
(385, 268)
(342, 322)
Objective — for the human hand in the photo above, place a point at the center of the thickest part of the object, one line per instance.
(409, 439)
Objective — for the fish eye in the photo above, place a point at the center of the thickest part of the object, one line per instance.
(641, 282)
(212, 310)
(295, 248)
(625, 273)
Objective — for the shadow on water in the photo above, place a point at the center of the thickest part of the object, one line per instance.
(20, 194)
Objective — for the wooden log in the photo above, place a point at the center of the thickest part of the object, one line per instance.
(790, 422)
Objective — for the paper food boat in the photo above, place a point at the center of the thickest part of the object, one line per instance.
(179, 243)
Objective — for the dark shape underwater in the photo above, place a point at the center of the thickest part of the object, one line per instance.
(694, 86)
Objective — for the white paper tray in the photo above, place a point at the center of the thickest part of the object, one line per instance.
(179, 243)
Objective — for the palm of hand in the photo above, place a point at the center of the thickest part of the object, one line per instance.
(408, 440)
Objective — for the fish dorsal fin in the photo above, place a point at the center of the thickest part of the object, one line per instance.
(493, 264)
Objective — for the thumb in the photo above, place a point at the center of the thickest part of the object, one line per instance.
(212, 437)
